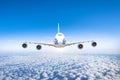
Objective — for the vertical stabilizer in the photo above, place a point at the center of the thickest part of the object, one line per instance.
(58, 28)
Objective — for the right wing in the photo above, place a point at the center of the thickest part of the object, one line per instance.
(41, 43)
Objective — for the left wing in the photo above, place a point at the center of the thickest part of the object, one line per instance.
(69, 44)
(80, 45)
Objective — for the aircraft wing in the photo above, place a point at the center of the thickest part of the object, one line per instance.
(42, 43)
(69, 44)
(24, 45)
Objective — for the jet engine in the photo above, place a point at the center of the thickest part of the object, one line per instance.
(24, 45)
(94, 44)
(80, 46)
(38, 47)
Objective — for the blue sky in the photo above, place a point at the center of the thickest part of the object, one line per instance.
(29, 18)
(23, 17)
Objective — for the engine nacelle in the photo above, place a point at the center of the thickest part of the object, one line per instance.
(38, 47)
(80, 46)
(24, 45)
(94, 44)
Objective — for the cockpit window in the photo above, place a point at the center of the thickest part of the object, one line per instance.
(59, 34)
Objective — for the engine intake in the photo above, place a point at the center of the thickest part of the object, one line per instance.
(80, 46)
(24, 45)
(94, 44)
(38, 47)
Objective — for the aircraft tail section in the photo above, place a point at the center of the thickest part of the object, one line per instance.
(58, 28)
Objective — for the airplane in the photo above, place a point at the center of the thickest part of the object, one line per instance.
(59, 42)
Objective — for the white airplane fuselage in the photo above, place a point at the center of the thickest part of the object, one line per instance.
(59, 39)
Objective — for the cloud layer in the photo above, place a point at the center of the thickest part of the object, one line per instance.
(60, 67)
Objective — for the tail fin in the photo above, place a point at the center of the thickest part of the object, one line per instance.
(58, 28)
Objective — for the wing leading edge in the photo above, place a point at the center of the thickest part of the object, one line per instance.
(60, 45)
